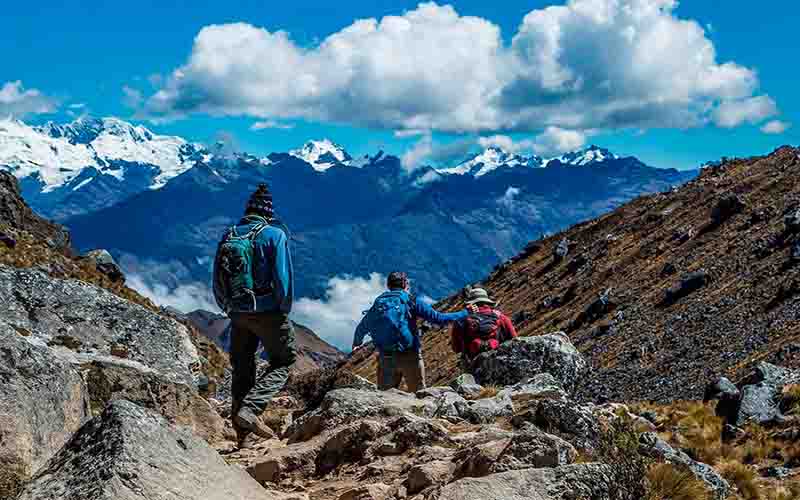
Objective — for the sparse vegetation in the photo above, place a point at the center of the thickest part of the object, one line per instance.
(487, 392)
(12, 477)
(667, 482)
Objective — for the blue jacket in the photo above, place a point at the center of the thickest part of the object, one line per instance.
(418, 309)
(272, 266)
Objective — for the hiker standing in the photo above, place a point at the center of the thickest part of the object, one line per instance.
(253, 284)
(484, 329)
(392, 324)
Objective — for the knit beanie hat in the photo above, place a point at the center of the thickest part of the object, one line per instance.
(260, 202)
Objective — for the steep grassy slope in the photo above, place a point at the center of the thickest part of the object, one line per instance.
(728, 224)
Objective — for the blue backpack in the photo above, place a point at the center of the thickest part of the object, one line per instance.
(388, 322)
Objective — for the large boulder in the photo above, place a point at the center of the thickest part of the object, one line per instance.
(594, 481)
(653, 446)
(43, 401)
(523, 358)
(82, 320)
(130, 453)
(105, 263)
(346, 405)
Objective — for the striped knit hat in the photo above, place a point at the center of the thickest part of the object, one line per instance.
(260, 202)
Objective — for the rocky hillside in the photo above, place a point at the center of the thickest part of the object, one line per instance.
(668, 291)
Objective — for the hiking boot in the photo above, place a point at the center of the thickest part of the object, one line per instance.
(246, 422)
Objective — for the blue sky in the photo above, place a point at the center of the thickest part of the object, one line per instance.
(77, 57)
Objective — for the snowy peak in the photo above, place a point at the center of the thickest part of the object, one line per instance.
(489, 160)
(592, 154)
(322, 154)
(56, 154)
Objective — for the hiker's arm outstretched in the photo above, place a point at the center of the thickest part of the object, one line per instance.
(425, 311)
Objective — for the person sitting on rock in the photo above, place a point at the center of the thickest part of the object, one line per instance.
(483, 330)
(391, 322)
(253, 284)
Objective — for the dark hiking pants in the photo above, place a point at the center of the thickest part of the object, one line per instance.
(276, 333)
(396, 366)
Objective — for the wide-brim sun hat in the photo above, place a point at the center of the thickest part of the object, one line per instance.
(479, 296)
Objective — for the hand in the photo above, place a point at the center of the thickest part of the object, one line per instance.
(472, 309)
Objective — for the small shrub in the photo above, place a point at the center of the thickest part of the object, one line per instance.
(742, 476)
(790, 404)
(618, 446)
(667, 482)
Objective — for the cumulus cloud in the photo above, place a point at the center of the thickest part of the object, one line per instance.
(185, 298)
(335, 317)
(554, 141)
(427, 151)
(16, 100)
(751, 110)
(587, 64)
(505, 143)
(265, 124)
(775, 127)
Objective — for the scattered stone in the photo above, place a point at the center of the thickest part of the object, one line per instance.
(791, 221)
(561, 250)
(651, 445)
(533, 448)
(566, 419)
(726, 207)
(668, 270)
(129, 453)
(688, 284)
(106, 264)
(466, 385)
(526, 357)
(7, 240)
(347, 445)
(777, 472)
(368, 492)
(429, 474)
(487, 410)
(540, 386)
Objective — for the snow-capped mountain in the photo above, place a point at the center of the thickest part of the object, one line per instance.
(56, 154)
(322, 154)
(489, 160)
(591, 155)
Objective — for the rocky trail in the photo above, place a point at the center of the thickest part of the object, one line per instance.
(105, 396)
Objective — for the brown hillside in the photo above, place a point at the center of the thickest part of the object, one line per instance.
(642, 346)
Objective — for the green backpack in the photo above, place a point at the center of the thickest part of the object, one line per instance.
(234, 286)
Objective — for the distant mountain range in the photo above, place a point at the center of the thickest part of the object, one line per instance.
(160, 203)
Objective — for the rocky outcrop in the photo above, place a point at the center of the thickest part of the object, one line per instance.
(523, 358)
(84, 321)
(131, 453)
(43, 400)
(18, 216)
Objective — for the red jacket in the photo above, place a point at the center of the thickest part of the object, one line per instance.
(459, 333)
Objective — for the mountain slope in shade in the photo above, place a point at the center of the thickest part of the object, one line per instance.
(312, 352)
(737, 227)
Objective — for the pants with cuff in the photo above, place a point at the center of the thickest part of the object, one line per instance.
(276, 333)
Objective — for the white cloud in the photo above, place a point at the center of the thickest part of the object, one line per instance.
(185, 298)
(265, 124)
(751, 110)
(554, 141)
(335, 317)
(506, 143)
(587, 64)
(507, 200)
(132, 97)
(77, 105)
(775, 127)
(16, 100)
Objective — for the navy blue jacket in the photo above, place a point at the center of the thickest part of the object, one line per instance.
(418, 309)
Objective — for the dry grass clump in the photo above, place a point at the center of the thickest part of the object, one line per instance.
(667, 482)
(487, 392)
(790, 403)
(742, 476)
(12, 478)
(788, 491)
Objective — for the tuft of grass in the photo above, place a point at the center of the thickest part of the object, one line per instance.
(741, 475)
(667, 482)
(487, 392)
(790, 402)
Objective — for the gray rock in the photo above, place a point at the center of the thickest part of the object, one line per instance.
(130, 453)
(486, 411)
(573, 422)
(95, 322)
(728, 396)
(43, 401)
(688, 284)
(106, 264)
(772, 375)
(653, 446)
(428, 474)
(541, 386)
(447, 404)
(466, 385)
(726, 207)
(435, 392)
(792, 221)
(524, 358)
(347, 445)
(533, 448)
(760, 404)
(345, 405)
(561, 250)
(594, 481)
